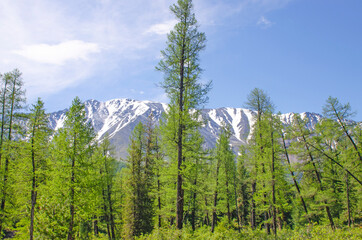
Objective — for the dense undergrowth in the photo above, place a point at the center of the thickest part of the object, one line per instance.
(226, 232)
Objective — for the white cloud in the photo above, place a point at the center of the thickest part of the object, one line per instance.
(63, 43)
(60, 53)
(265, 23)
(162, 28)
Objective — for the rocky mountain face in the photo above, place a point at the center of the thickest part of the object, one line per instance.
(117, 118)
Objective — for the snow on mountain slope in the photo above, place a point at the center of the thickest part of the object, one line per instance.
(117, 118)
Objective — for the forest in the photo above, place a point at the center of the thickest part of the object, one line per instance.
(291, 181)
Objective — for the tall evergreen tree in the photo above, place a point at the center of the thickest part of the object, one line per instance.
(335, 110)
(260, 102)
(13, 99)
(180, 65)
(106, 167)
(312, 169)
(139, 211)
(292, 171)
(195, 172)
(73, 148)
(28, 172)
(243, 185)
(39, 138)
(225, 172)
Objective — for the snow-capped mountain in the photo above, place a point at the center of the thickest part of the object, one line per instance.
(117, 118)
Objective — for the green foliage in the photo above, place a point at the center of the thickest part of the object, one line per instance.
(180, 65)
(70, 180)
(12, 101)
(139, 205)
(225, 159)
(297, 181)
(30, 168)
(225, 231)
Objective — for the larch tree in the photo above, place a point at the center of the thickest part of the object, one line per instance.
(39, 134)
(138, 209)
(224, 174)
(13, 99)
(283, 132)
(260, 102)
(243, 185)
(335, 110)
(180, 65)
(312, 176)
(74, 145)
(106, 168)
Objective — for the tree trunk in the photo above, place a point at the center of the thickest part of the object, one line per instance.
(33, 189)
(236, 203)
(3, 118)
(266, 217)
(106, 216)
(295, 181)
(159, 202)
(109, 198)
(245, 209)
(72, 182)
(214, 215)
(193, 212)
(227, 197)
(6, 170)
(207, 219)
(180, 158)
(273, 187)
(111, 214)
(71, 208)
(252, 218)
(95, 226)
(348, 202)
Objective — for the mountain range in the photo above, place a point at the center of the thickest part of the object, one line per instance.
(118, 117)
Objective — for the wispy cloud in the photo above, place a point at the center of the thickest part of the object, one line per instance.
(264, 23)
(60, 53)
(162, 28)
(61, 44)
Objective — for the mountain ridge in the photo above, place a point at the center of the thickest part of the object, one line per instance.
(117, 118)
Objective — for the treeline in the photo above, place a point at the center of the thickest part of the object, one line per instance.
(54, 185)
(64, 184)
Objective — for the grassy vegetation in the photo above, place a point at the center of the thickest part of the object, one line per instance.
(223, 231)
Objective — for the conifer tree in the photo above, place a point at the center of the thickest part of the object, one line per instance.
(106, 167)
(138, 211)
(158, 170)
(312, 172)
(39, 138)
(180, 65)
(225, 172)
(333, 109)
(339, 162)
(260, 102)
(292, 171)
(4, 104)
(243, 185)
(13, 98)
(194, 171)
(28, 172)
(73, 146)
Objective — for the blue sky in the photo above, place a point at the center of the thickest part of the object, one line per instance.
(298, 51)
